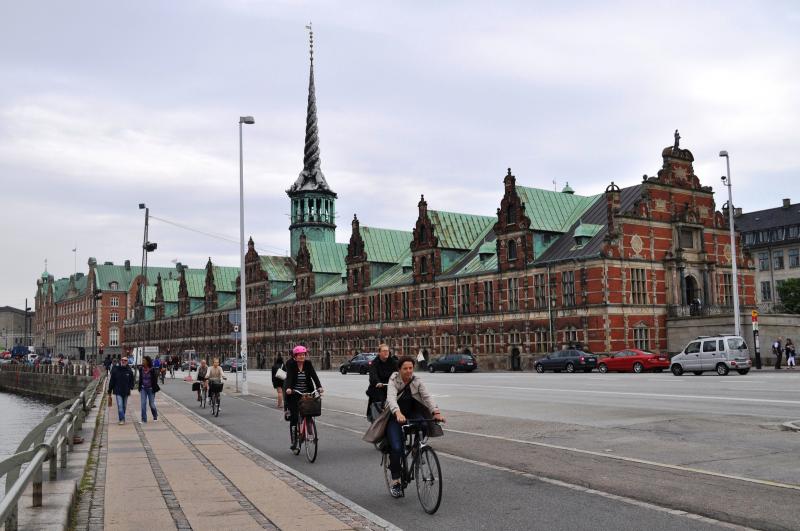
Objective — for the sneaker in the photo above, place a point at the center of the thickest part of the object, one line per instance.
(155, 419)
(397, 491)
(121, 422)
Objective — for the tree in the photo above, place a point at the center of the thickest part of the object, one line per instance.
(789, 292)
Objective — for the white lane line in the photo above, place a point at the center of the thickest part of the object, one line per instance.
(615, 497)
(624, 393)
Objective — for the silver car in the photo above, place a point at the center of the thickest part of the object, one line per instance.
(720, 354)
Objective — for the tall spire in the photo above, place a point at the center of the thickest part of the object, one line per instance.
(311, 178)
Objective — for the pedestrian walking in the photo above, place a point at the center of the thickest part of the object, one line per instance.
(277, 382)
(120, 385)
(777, 350)
(790, 354)
(107, 363)
(148, 387)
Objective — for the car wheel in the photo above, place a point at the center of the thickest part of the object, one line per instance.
(602, 368)
(697, 373)
(743, 371)
(722, 369)
(570, 367)
(362, 370)
(343, 370)
(677, 370)
(538, 368)
(452, 369)
(431, 369)
(638, 367)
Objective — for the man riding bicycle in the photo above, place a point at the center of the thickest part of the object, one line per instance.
(299, 377)
(408, 399)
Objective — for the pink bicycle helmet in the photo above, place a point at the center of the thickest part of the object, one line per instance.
(299, 349)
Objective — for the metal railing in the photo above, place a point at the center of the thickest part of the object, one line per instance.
(38, 447)
(697, 310)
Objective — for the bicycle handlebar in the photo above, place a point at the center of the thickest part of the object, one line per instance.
(315, 393)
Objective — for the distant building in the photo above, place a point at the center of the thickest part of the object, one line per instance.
(772, 237)
(603, 271)
(16, 327)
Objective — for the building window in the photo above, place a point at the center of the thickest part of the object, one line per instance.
(568, 288)
(763, 261)
(511, 215)
(766, 291)
(488, 296)
(777, 259)
(512, 250)
(638, 286)
(341, 311)
(490, 343)
(114, 302)
(571, 336)
(539, 291)
(423, 265)
(513, 294)
(749, 238)
(372, 308)
(404, 296)
(641, 338)
(794, 258)
(114, 317)
(687, 238)
(444, 306)
(387, 307)
(794, 231)
(423, 302)
(727, 289)
(113, 285)
(465, 299)
(113, 337)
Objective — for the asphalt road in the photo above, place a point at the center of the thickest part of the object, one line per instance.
(672, 442)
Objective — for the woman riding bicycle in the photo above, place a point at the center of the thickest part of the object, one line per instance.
(408, 399)
(215, 374)
(299, 374)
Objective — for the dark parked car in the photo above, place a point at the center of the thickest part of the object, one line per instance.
(359, 363)
(231, 365)
(188, 365)
(453, 363)
(570, 360)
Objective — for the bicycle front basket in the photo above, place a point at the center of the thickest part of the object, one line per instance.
(215, 387)
(310, 406)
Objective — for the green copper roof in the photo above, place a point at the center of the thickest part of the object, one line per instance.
(553, 211)
(327, 257)
(334, 287)
(385, 245)
(278, 268)
(459, 231)
(587, 230)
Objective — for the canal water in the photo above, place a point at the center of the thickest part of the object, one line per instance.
(20, 414)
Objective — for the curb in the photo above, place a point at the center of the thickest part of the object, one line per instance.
(353, 506)
(793, 425)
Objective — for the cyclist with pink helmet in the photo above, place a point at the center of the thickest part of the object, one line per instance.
(300, 378)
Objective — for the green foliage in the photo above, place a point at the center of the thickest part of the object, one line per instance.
(789, 292)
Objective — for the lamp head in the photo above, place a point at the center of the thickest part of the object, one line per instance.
(141, 206)
(247, 120)
(723, 153)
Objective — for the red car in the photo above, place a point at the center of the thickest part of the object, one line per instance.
(634, 360)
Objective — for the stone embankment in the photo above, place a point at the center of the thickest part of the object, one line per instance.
(46, 381)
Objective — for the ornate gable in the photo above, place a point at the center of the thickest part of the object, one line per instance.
(425, 251)
(304, 271)
(514, 239)
(358, 271)
(159, 300)
(677, 169)
(183, 293)
(210, 289)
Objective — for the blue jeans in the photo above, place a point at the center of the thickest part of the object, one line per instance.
(145, 395)
(394, 433)
(122, 403)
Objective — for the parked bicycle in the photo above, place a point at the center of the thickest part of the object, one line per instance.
(423, 468)
(310, 406)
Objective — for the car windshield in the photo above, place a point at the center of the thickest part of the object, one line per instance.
(736, 343)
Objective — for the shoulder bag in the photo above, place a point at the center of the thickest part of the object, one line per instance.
(377, 430)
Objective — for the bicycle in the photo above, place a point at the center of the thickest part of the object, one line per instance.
(424, 468)
(203, 395)
(215, 388)
(307, 430)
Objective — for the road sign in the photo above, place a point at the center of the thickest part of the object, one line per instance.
(234, 317)
(236, 336)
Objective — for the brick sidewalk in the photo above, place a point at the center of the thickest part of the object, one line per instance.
(183, 472)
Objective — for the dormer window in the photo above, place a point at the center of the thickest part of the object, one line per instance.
(113, 285)
(512, 250)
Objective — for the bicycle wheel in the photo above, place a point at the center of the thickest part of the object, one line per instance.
(311, 439)
(215, 405)
(204, 396)
(387, 474)
(428, 475)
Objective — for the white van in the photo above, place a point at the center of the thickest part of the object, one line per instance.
(721, 354)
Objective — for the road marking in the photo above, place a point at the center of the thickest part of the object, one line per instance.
(624, 393)
(582, 451)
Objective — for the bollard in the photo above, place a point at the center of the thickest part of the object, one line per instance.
(53, 458)
(64, 449)
(37, 488)
(11, 521)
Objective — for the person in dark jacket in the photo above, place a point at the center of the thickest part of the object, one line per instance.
(379, 372)
(299, 377)
(277, 383)
(120, 385)
(107, 363)
(148, 387)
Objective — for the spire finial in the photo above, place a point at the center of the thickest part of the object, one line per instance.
(310, 43)
(677, 139)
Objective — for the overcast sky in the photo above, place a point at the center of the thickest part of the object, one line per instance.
(104, 105)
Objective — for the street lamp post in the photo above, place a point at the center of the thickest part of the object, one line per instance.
(147, 247)
(727, 182)
(242, 277)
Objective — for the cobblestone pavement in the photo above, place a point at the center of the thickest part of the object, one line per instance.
(182, 472)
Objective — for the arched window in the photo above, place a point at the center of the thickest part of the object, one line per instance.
(511, 215)
(423, 265)
(355, 278)
(512, 250)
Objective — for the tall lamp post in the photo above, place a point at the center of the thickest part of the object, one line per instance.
(249, 120)
(726, 181)
(147, 247)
